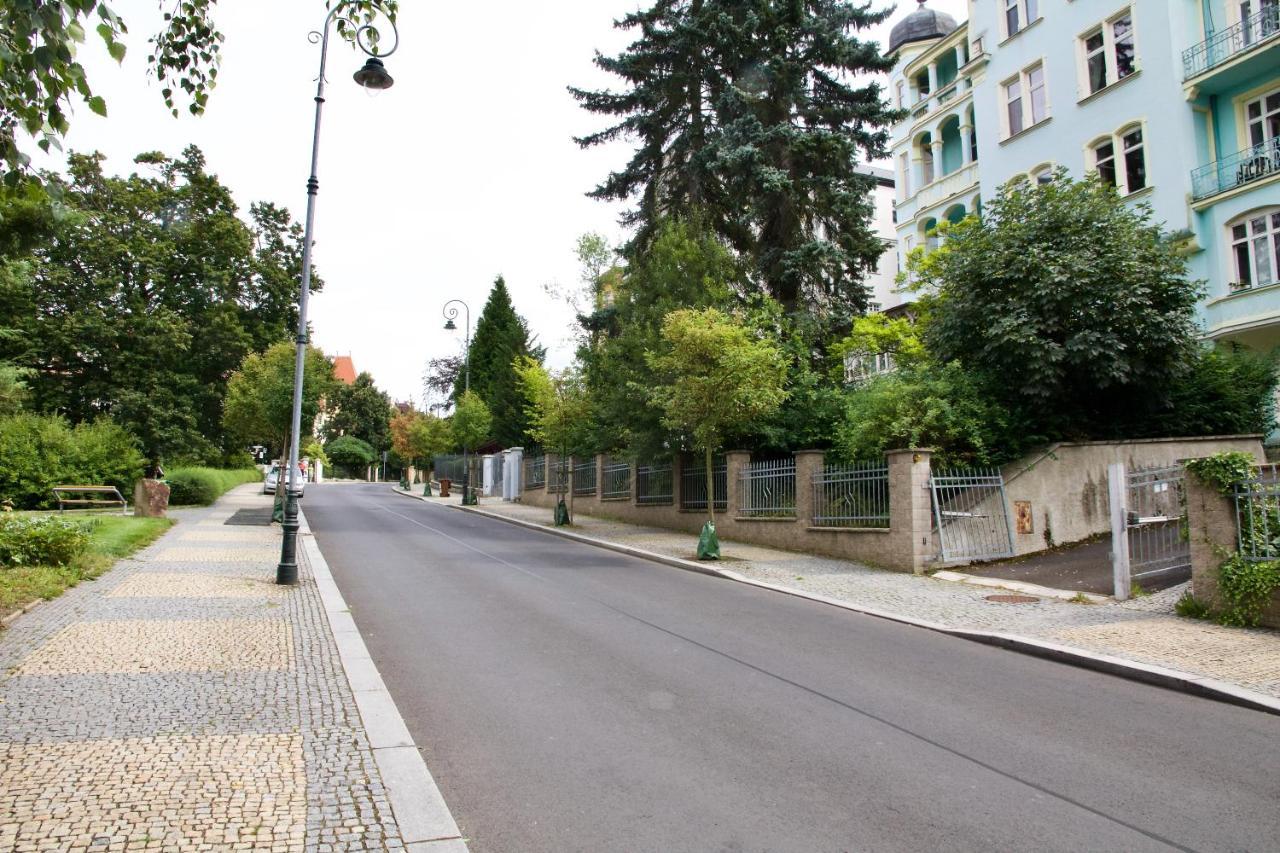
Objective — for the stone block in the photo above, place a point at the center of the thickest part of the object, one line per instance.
(150, 499)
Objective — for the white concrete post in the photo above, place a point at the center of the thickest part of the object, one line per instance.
(933, 79)
(486, 474)
(966, 144)
(1117, 489)
(513, 474)
(960, 62)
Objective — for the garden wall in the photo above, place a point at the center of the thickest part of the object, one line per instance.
(1059, 495)
(1211, 528)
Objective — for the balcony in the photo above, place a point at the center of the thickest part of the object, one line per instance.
(1238, 170)
(1249, 312)
(962, 179)
(1250, 35)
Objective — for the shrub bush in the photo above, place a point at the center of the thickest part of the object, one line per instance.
(40, 540)
(38, 452)
(203, 486)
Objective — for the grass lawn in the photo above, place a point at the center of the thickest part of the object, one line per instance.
(111, 537)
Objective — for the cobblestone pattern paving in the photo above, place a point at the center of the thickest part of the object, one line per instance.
(183, 702)
(1143, 629)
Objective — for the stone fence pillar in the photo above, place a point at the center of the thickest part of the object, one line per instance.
(808, 464)
(910, 525)
(512, 473)
(735, 462)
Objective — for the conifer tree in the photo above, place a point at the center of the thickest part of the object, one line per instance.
(745, 115)
(501, 337)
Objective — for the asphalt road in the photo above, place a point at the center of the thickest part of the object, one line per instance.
(568, 698)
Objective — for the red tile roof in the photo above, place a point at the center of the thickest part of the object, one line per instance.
(344, 369)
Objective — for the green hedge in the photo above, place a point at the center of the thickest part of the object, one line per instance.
(203, 486)
(40, 540)
(38, 452)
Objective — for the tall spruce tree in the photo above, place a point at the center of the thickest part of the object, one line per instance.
(501, 337)
(745, 116)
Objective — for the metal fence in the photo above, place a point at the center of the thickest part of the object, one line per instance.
(584, 477)
(693, 483)
(448, 468)
(851, 495)
(1257, 504)
(767, 489)
(1227, 43)
(616, 485)
(971, 515)
(535, 472)
(561, 473)
(1155, 522)
(654, 484)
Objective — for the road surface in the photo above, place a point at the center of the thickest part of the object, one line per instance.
(569, 698)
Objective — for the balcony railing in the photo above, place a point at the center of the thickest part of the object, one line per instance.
(1243, 167)
(1259, 27)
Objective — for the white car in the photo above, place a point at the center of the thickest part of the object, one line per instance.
(269, 484)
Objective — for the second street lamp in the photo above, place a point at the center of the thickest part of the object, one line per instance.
(372, 76)
(450, 313)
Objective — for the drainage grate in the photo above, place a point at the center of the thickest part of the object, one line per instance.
(254, 516)
(1013, 599)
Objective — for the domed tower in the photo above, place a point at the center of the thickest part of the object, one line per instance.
(921, 25)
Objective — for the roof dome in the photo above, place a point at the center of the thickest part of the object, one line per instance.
(921, 25)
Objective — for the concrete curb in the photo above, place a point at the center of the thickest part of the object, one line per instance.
(422, 816)
(1019, 586)
(1186, 682)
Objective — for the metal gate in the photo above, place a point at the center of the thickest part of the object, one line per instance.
(971, 515)
(1155, 514)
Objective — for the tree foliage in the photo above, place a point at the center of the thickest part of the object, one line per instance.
(359, 409)
(419, 437)
(41, 79)
(136, 297)
(501, 337)
(558, 406)
(746, 114)
(1072, 331)
(259, 402)
(38, 452)
(350, 452)
(472, 422)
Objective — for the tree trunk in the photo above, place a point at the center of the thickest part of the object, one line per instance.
(711, 490)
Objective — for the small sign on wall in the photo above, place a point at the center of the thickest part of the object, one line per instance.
(1022, 512)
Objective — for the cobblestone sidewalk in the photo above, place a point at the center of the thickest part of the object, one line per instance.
(1144, 629)
(184, 702)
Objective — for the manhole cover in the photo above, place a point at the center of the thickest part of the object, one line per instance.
(1013, 599)
(255, 516)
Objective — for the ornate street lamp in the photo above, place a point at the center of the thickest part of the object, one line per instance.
(372, 76)
(449, 326)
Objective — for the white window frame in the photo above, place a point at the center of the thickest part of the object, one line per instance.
(1263, 114)
(1107, 51)
(1245, 247)
(1026, 99)
(1027, 13)
(1119, 159)
(1037, 174)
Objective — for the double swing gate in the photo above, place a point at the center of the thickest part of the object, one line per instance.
(1148, 525)
(970, 515)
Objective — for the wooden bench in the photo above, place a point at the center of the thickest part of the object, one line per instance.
(95, 497)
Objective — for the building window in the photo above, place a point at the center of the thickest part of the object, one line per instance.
(1255, 250)
(1135, 163)
(1267, 24)
(1018, 14)
(926, 163)
(904, 165)
(1127, 172)
(1042, 174)
(1026, 100)
(1263, 118)
(902, 101)
(1108, 52)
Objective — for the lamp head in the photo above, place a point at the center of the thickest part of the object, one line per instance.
(373, 75)
(449, 326)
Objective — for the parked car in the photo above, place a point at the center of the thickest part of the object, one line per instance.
(269, 483)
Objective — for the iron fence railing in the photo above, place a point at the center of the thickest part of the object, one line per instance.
(616, 485)
(654, 484)
(559, 476)
(851, 495)
(535, 472)
(1257, 505)
(693, 483)
(767, 489)
(448, 468)
(1250, 32)
(1238, 169)
(584, 477)
(970, 514)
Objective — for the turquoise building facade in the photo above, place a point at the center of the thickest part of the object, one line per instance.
(1174, 102)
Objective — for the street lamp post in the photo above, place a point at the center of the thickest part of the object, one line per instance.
(373, 75)
(449, 315)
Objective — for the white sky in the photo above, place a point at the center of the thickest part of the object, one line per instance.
(466, 169)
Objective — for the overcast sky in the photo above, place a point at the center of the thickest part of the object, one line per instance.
(465, 170)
